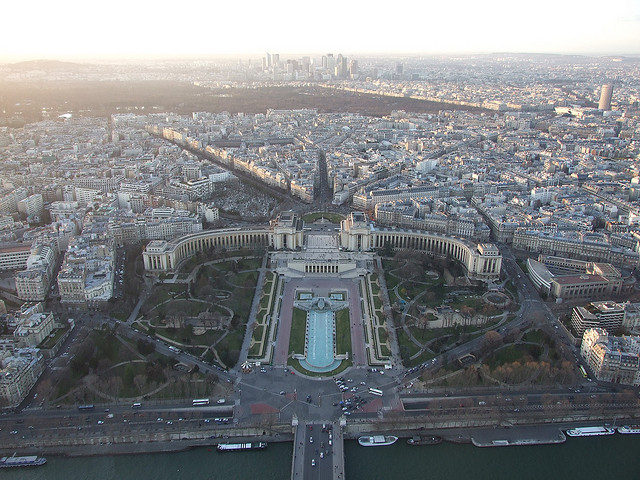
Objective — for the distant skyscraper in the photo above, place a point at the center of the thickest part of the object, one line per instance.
(605, 97)
(353, 67)
(331, 63)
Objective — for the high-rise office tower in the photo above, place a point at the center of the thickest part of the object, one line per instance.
(331, 63)
(353, 67)
(605, 97)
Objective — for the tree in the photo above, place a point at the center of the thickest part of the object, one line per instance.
(467, 314)
(492, 340)
(140, 381)
(423, 322)
(128, 375)
(145, 347)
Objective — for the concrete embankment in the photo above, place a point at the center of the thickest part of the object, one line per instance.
(138, 444)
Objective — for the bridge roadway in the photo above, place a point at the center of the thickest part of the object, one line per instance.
(318, 452)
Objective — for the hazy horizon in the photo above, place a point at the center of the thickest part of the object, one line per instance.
(75, 30)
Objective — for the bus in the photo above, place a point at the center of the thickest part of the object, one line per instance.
(375, 391)
(136, 405)
(198, 402)
(85, 407)
(583, 371)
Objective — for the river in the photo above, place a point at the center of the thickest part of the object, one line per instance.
(609, 457)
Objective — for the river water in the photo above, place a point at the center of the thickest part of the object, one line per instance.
(611, 457)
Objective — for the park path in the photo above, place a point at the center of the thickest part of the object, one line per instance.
(246, 342)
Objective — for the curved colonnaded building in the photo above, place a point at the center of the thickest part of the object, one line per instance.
(480, 261)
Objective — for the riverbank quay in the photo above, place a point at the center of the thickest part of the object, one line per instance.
(144, 447)
(455, 430)
(479, 437)
(79, 447)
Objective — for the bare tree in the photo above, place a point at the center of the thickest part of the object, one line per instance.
(140, 381)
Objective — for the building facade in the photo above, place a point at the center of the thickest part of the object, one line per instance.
(606, 315)
(19, 371)
(612, 359)
(480, 261)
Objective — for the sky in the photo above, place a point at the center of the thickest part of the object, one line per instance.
(83, 29)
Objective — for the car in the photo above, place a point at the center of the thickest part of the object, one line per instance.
(321, 454)
(282, 392)
(13, 432)
(310, 439)
(100, 422)
(313, 462)
(169, 422)
(206, 420)
(158, 419)
(310, 428)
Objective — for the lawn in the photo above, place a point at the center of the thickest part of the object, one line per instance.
(162, 293)
(377, 303)
(383, 335)
(426, 334)
(513, 353)
(535, 336)
(229, 347)
(343, 332)
(332, 217)
(407, 347)
(257, 332)
(298, 329)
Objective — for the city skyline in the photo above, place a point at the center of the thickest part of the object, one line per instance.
(75, 31)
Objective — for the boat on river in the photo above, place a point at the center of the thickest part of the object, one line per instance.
(627, 429)
(590, 431)
(28, 461)
(419, 440)
(234, 447)
(377, 440)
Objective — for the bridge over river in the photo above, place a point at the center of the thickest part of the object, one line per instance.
(318, 451)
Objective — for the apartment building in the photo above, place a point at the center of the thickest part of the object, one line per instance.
(19, 371)
(608, 315)
(612, 359)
